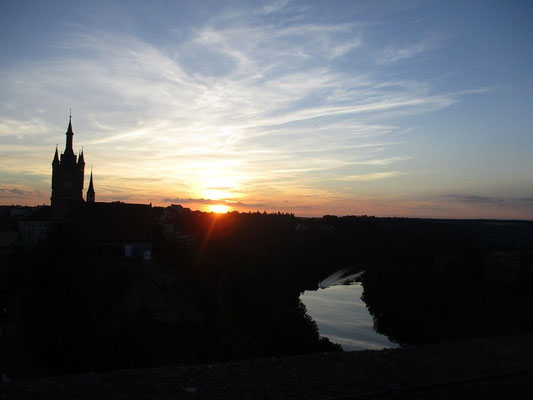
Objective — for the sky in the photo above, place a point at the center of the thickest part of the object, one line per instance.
(386, 108)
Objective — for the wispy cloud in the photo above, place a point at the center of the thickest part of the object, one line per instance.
(394, 53)
(19, 195)
(274, 6)
(262, 109)
(381, 161)
(369, 177)
(228, 202)
(488, 200)
(11, 192)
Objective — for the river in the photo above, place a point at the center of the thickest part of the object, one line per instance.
(341, 315)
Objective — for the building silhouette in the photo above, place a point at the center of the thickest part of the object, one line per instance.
(67, 177)
(115, 228)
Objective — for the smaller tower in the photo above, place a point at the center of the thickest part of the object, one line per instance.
(90, 191)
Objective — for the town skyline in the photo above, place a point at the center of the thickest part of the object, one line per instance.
(416, 109)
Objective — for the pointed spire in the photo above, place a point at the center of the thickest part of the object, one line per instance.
(69, 130)
(69, 152)
(56, 157)
(81, 160)
(91, 186)
(90, 192)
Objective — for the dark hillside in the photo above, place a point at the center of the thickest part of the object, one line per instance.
(227, 286)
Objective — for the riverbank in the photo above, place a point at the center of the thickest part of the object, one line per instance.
(489, 368)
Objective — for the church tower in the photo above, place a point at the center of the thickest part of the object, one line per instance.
(67, 177)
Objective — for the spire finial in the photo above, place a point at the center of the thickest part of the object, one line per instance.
(70, 114)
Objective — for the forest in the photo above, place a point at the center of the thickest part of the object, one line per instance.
(225, 287)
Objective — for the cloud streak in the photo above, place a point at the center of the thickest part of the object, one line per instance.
(370, 177)
(228, 202)
(492, 201)
(261, 110)
(393, 54)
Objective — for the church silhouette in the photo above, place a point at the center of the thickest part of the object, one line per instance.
(67, 178)
(116, 227)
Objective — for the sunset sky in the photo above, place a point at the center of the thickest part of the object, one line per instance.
(387, 108)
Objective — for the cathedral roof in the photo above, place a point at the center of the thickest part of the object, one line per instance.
(118, 222)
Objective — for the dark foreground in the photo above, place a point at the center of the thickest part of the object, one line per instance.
(489, 368)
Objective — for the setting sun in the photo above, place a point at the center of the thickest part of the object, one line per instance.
(218, 208)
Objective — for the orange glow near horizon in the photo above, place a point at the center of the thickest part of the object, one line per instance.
(218, 208)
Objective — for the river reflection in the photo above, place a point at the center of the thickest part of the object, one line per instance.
(342, 317)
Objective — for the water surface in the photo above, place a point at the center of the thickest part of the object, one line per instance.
(342, 316)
